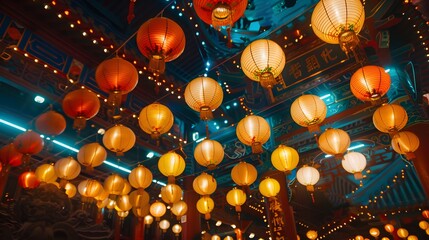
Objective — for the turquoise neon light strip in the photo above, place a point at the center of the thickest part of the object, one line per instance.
(349, 149)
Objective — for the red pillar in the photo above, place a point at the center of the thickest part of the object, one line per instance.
(421, 163)
(191, 227)
(139, 228)
(117, 229)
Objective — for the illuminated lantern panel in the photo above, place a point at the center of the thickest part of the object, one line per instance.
(253, 131)
(119, 139)
(335, 142)
(157, 209)
(114, 184)
(269, 187)
(370, 83)
(156, 119)
(205, 205)
(405, 142)
(390, 118)
(171, 165)
(81, 105)
(311, 234)
(236, 197)
(171, 193)
(244, 174)
(355, 163)
(284, 158)
(50, 123)
(308, 176)
(67, 169)
(28, 180)
(204, 184)
(91, 155)
(46, 173)
(209, 153)
(140, 177)
(308, 111)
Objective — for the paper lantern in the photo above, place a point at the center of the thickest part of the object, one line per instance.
(402, 232)
(148, 220)
(81, 105)
(28, 143)
(389, 228)
(205, 205)
(171, 193)
(405, 142)
(67, 169)
(236, 197)
(412, 237)
(220, 13)
(338, 22)
(164, 225)
(141, 211)
(311, 234)
(244, 174)
(334, 141)
(156, 119)
(90, 188)
(139, 197)
(119, 139)
(114, 184)
(46, 173)
(157, 209)
(390, 118)
(269, 187)
(91, 155)
(28, 180)
(10, 156)
(354, 163)
(140, 177)
(116, 76)
(102, 195)
(204, 95)
(50, 123)
(179, 209)
(228, 238)
(171, 165)
(253, 131)
(370, 83)
(308, 111)
(284, 158)
(204, 184)
(215, 237)
(308, 176)
(127, 188)
(209, 153)
(359, 237)
(111, 204)
(161, 40)
(122, 214)
(423, 225)
(374, 232)
(425, 214)
(70, 190)
(176, 229)
(123, 203)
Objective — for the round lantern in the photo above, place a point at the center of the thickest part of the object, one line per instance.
(28, 143)
(269, 187)
(228, 238)
(91, 155)
(81, 105)
(50, 123)
(177, 229)
(204, 95)
(204, 184)
(359, 237)
(308, 176)
(355, 163)
(10, 156)
(215, 237)
(334, 141)
(123, 203)
(114, 184)
(164, 225)
(111, 204)
(220, 13)
(423, 225)
(141, 211)
(244, 174)
(374, 232)
(139, 197)
(284, 158)
(179, 209)
(390, 118)
(412, 237)
(148, 220)
(402, 232)
(385, 238)
(405, 142)
(236, 197)
(67, 169)
(338, 22)
(308, 111)
(89, 188)
(140, 177)
(209, 153)
(156, 119)
(28, 180)
(46, 173)
(171, 193)
(70, 190)
(161, 40)
(119, 139)
(253, 131)
(171, 165)
(389, 228)
(157, 209)
(116, 76)
(102, 195)
(370, 83)
(311, 234)
(205, 205)
(425, 214)
(126, 189)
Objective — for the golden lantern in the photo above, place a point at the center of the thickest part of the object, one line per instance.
(269, 187)
(244, 174)
(339, 22)
(205, 205)
(402, 232)
(179, 209)
(141, 211)
(148, 220)
(423, 225)
(91, 155)
(385, 238)
(204, 184)
(204, 95)
(70, 190)
(139, 197)
(171, 193)
(67, 169)
(405, 142)
(334, 141)
(308, 111)
(284, 158)
(122, 214)
(359, 237)
(374, 232)
(140, 177)
(390, 118)
(370, 83)
(253, 131)
(127, 188)
(311, 234)
(209, 153)
(171, 165)
(412, 237)
(114, 184)
(102, 195)
(119, 139)
(111, 204)
(89, 189)
(308, 176)
(354, 163)
(46, 173)
(236, 197)
(157, 209)
(215, 237)
(164, 225)
(228, 238)
(123, 203)
(263, 60)
(389, 228)
(102, 203)
(156, 119)
(177, 229)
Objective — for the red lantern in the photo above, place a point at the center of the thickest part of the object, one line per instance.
(81, 105)
(28, 180)
(28, 143)
(220, 12)
(116, 76)
(161, 40)
(50, 123)
(10, 156)
(425, 214)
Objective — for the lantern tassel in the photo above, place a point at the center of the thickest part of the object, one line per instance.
(312, 198)
(79, 123)
(171, 179)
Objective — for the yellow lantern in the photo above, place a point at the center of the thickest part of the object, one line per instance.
(89, 189)
(164, 225)
(390, 118)
(204, 95)
(140, 177)
(177, 229)
(114, 184)
(179, 209)
(389, 228)
(244, 174)
(157, 209)
(46, 173)
(236, 197)
(171, 165)
(405, 142)
(359, 237)
(209, 153)
(119, 139)
(308, 111)
(156, 119)
(70, 190)
(204, 184)
(402, 232)
(385, 238)
(253, 131)
(148, 220)
(67, 169)
(123, 203)
(91, 155)
(269, 187)
(205, 205)
(139, 197)
(171, 193)
(374, 232)
(423, 225)
(126, 189)
(308, 176)
(111, 204)
(412, 237)
(311, 234)
(338, 22)
(354, 163)
(334, 142)
(102, 195)
(284, 158)
(102, 204)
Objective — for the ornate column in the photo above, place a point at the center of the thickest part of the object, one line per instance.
(191, 221)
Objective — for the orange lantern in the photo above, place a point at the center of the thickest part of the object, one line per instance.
(334, 141)
(204, 95)
(311, 234)
(28, 180)
(359, 237)
(171, 193)
(81, 105)
(89, 189)
(370, 83)
(46, 173)
(236, 197)
(148, 220)
(423, 225)
(28, 143)
(179, 208)
(253, 131)
(205, 205)
(119, 139)
(209, 153)
(405, 142)
(390, 118)
(171, 165)
(140, 177)
(10, 156)
(389, 228)
(116, 76)
(70, 190)
(269, 187)
(284, 158)
(308, 111)
(244, 174)
(354, 163)
(374, 232)
(114, 184)
(91, 155)
(127, 188)
(402, 233)
(425, 214)
(220, 13)
(156, 119)
(204, 184)
(50, 123)
(139, 198)
(157, 209)
(67, 169)
(141, 211)
(308, 176)
(161, 40)
(123, 203)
